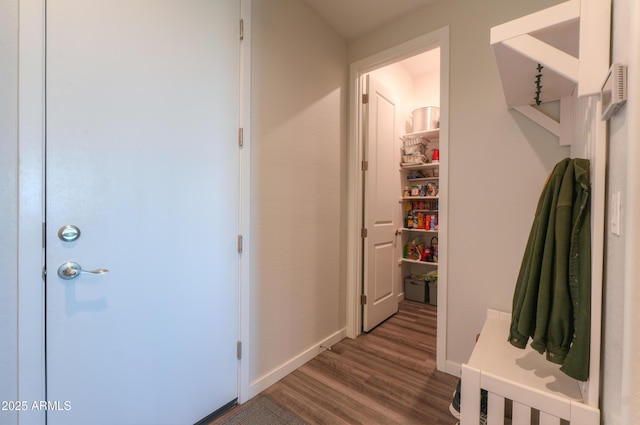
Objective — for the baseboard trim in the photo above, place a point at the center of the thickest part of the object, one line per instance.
(270, 378)
(453, 368)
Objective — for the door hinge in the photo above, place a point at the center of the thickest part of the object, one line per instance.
(44, 235)
(365, 165)
(363, 299)
(239, 350)
(241, 29)
(364, 232)
(44, 273)
(239, 243)
(241, 137)
(365, 98)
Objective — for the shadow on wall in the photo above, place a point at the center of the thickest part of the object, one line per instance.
(298, 182)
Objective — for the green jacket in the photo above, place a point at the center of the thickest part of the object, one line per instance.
(552, 298)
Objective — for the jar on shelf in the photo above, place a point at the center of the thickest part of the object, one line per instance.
(434, 248)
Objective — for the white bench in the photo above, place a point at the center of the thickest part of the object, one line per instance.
(523, 376)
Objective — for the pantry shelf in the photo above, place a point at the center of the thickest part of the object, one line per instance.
(427, 134)
(417, 198)
(424, 179)
(426, 263)
(404, 229)
(419, 166)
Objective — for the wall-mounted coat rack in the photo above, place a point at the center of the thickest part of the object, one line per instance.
(568, 44)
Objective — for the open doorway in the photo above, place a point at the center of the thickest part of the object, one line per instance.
(413, 91)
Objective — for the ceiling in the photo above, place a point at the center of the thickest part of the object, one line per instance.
(354, 18)
(423, 63)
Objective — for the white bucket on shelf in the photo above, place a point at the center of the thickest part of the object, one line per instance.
(426, 118)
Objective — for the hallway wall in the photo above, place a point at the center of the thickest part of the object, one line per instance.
(620, 372)
(298, 160)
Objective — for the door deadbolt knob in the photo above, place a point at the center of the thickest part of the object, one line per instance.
(70, 270)
(69, 233)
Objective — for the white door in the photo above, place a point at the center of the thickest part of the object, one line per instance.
(380, 210)
(142, 113)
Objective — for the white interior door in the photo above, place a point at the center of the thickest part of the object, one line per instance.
(380, 210)
(142, 112)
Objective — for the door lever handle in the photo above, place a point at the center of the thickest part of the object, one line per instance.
(70, 270)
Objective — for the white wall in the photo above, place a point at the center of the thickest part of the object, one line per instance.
(427, 90)
(299, 74)
(620, 376)
(498, 161)
(8, 204)
(613, 308)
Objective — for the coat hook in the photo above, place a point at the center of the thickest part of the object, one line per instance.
(538, 84)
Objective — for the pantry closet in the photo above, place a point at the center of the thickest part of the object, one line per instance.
(399, 158)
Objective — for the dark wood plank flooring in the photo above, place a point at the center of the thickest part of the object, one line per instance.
(387, 376)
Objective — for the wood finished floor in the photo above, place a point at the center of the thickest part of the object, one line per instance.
(387, 376)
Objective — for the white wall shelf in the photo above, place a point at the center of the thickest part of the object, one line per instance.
(518, 47)
(557, 38)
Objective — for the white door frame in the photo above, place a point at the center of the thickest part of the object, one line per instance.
(355, 193)
(31, 148)
(244, 277)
